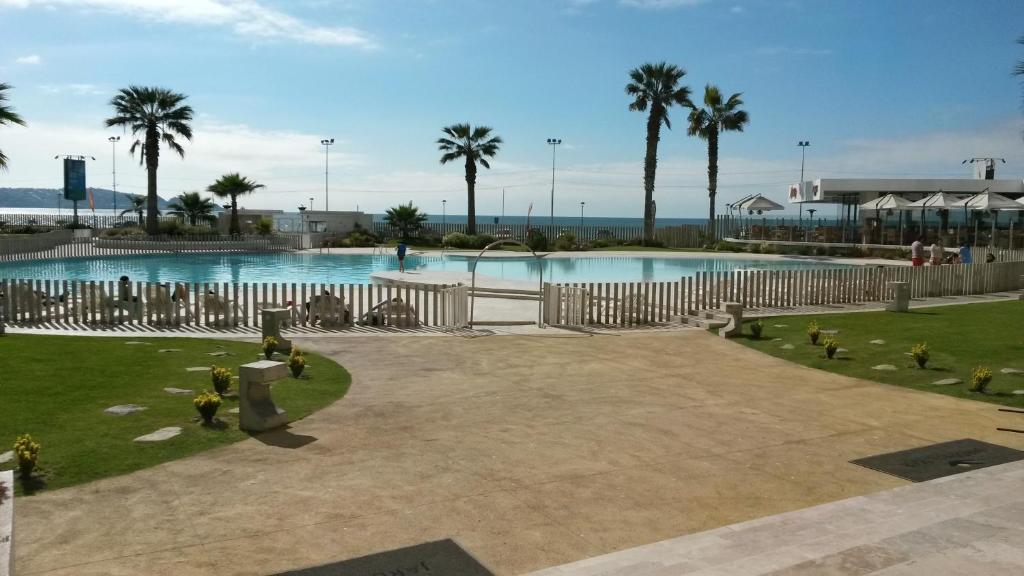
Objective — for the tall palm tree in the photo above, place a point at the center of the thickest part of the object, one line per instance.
(7, 116)
(138, 207)
(193, 207)
(232, 186)
(406, 217)
(655, 87)
(707, 123)
(154, 115)
(1018, 70)
(475, 145)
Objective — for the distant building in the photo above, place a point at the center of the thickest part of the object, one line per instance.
(306, 221)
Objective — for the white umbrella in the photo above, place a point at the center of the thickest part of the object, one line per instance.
(887, 202)
(937, 201)
(760, 204)
(989, 201)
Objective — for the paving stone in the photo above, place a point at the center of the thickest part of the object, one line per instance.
(233, 411)
(776, 339)
(219, 353)
(838, 350)
(884, 367)
(160, 435)
(947, 382)
(1012, 371)
(123, 409)
(134, 343)
(878, 342)
(830, 332)
(6, 457)
(169, 350)
(197, 369)
(1017, 392)
(781, 325)
(179, 391)
(787, 346)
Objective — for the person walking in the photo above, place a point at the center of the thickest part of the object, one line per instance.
(917, 252)
(936, 253)
(965, 253)
(401, 256)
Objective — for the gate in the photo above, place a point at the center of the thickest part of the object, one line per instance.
(566, 305)
(455, 307)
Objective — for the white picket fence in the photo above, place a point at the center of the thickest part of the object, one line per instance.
(26, 246)
(455, 307)
(566, 305)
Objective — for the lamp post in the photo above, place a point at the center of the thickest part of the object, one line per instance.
(581, 213)
(444, 212)
(310, 203)
(58, 204)
(553, 142)
(803, 144)
(113, 163)
(327, 143)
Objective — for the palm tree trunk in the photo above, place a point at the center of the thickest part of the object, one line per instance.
(712, 179)
(152, 162)
(650, 168)
(471, 199)
(235, 228)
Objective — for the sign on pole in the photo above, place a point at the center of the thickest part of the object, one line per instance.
(74, 179)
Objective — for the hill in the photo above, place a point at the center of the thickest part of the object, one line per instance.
(47, 198)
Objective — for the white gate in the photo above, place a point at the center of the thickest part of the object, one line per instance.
(455, 307)
(566, 305)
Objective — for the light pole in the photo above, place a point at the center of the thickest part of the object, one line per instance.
(803, 144)
(553, 142)
(58, 204)
(581, 213)
(310, 203)
(502, 205)
(327, 143)
(113, 162)
(444, 212)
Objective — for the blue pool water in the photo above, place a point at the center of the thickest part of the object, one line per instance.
(356, 268)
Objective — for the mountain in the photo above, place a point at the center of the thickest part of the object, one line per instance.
(47, 198)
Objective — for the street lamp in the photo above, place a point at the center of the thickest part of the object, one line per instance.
(803, 144)
(302, 220)
(581, 213)
(327, 143)
(444, 212)
(113, 161)
(310, 203)
(553, 142)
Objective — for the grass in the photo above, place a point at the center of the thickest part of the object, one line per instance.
(56, 388)
(959, 338)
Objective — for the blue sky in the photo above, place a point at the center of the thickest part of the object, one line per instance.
(879, 88)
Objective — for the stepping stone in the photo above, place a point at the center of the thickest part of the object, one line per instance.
(233, 411)
(124, 409)
(947, 382)
(776, 339)
(781, 325)
(884, 367)
(133, 343)
(1017, 392)
(179, 391)
(1012, 371)
(169, 350)
(220, 353)
(197, 369)
(877, 342)
(830, 332)
(160, 435)
(787, 346)
(6, 457)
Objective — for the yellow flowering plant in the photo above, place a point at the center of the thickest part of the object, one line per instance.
(26, 453)
(221, 379)
(296, 362)
(269, 346)
(813, 332)
(980, 379)
(207, 403)
(831, 346)
(920, 354)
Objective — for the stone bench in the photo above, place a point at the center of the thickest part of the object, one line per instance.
(900, 296)
(256, 409)
(271, 320)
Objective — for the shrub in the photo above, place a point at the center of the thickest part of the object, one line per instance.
(26, 454)
(466, 241)
(820, 251)
(813, 332)
(536, 240)
(566, 241)
(264, 227)
(171, 228)
(207, 403)
(831, 345)
(754, 248)
(269, 346)
(980, 379)
(920, 354)
(221, 379)
(296, 362)
(756, 327)
(605, 242)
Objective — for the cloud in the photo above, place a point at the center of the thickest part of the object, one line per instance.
(246, 18)
(792, 51)
(660, 4)
(30, 60)
(74, 89)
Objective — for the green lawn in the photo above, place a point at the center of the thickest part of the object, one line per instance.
(57, 387)
(959, 338)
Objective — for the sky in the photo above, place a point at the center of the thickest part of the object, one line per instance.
(880, 89)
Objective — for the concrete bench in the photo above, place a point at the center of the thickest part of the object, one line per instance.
(900, 296)
(271, 320)
(256, 409)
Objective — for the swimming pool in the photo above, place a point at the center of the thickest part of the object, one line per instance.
(356, 268)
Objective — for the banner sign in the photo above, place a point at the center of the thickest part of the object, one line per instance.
(74, 179)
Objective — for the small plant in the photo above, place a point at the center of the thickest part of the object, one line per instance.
(269, 346)
(756, 328)
(26, 453)
(920, 354)
(207, 403)
(813, 332)
(831, 346)
(221, 378)
(296, 362)
(980, 378)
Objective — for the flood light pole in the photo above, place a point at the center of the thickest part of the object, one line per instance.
(553, 142)
(327, 143)
(581, 213)
(444, 212)
(113, 160)
(803, 144)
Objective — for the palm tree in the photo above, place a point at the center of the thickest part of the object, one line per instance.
(475, 145)
(707, 123)
(193, 207)
(155, 114)
(138, 207)
(406, 217)
(1018, 70)
(232, 186)
(655, 87)
(7, 116)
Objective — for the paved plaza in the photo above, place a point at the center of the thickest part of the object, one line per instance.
(530, 451)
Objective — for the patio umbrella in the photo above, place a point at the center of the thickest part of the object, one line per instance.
(887, 203)
(989, 201)
(760, 204)
(937, 201)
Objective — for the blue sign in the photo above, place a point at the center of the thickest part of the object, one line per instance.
(74, 179)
